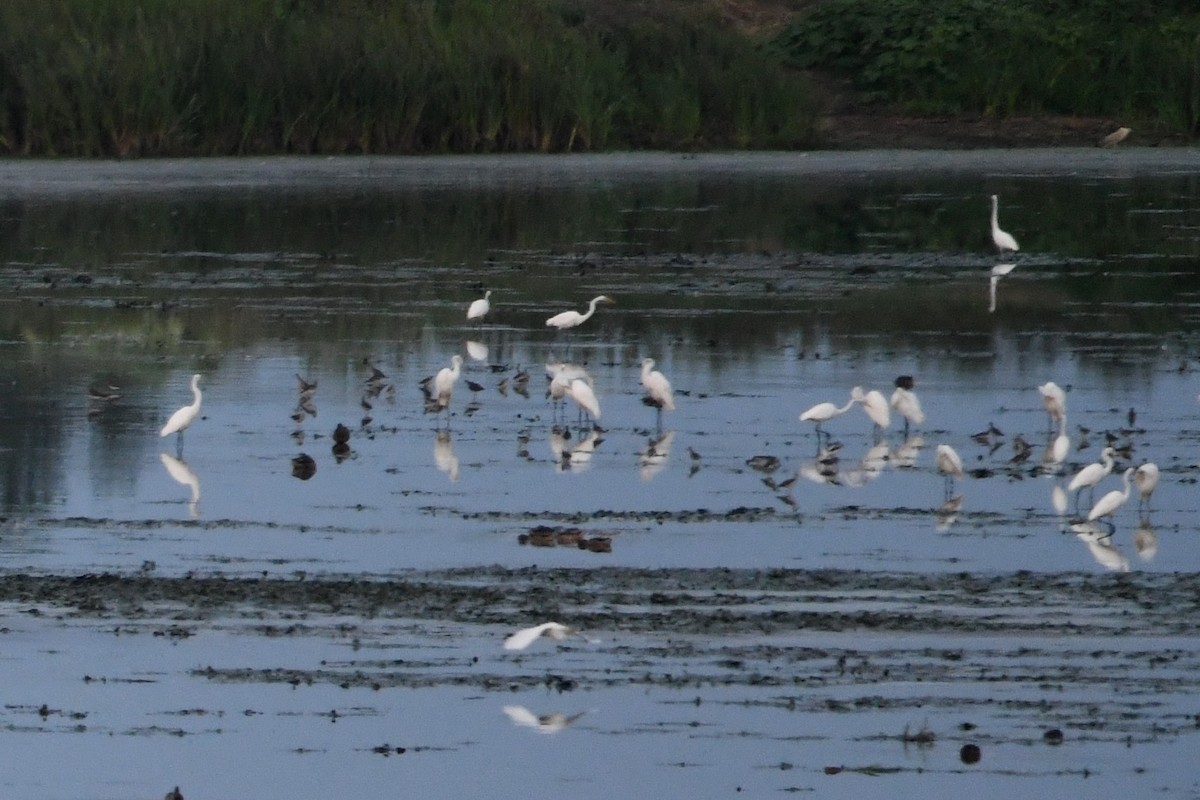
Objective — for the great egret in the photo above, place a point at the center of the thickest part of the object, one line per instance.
(823, 412)
(905, 401)
(1116, 137)
(1055, 401)
(876, 407)
(1146, 479)
(573, 319)
(551, 630)
(1109, 504)
(184, 417)
(1092, 474)
(658, 389)
(1003, 241)
(479, 308)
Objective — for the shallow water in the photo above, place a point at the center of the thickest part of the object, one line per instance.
(761, 286)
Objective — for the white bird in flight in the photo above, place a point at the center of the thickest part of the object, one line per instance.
(546, 723)
(551, 630)
(1003, 240)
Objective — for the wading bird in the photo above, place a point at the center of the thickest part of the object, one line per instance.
(1109, 504)
(876, 407)
(823, 412)
(443, 384)
(1146, 479)
(1055, 401)
(1092, 474)
(905, 401)
(573, 319)
(950, 465)
(479, 308)
(658, 389)
(1003, 241)
(184, 417)
(579, 391)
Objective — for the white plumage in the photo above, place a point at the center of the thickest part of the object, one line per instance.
(572, 319)
(1109, 504)
(185, 416)
(443, 382)
(479, 308)
(1003, 241)
(1055, 401)
(551, 630)
(579, 391)
(1092, 474)
(948, 462)
(657, 387)
(876, 407)
(823, 412)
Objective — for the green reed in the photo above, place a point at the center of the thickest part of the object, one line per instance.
(166, 77)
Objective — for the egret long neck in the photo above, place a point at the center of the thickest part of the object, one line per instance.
(591, 310)
(995, 214)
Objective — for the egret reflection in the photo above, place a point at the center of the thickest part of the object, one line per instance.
(183, 474)
(653, 459)
(906, 453)
(871, 467)
(443, 454)
(542, 723)
(947, 513)
(1099, 542)
(1145, 540)
(478, 351)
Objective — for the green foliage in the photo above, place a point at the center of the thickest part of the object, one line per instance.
(1124, 58)
(165, 77)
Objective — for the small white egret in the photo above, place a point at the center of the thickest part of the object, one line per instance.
(572, 319)
(479, 308)
(905, 401)
(1055, 401)
(876, 407)
(184, 417)
(551, 630)
(579, 391)
(823, 412)
(950, 465)
(443, 383)
(1109, 504)
(1092, 474)
(1146, 479)
(1003, 241)
(658, 389)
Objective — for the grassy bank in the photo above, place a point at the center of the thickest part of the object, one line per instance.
(1128, 59)
(205, 77)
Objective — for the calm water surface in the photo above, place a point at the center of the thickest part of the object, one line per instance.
(760, 288)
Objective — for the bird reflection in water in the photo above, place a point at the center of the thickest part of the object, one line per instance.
(905, 454)
(303, 467)
(998, 272)
(653, 459)
(478, 351)
(543, 723)
(443, 455)
(947, 513)
(183, 474)
(870, 468)
(1099, 541)
(341, 443)
(1145, 540)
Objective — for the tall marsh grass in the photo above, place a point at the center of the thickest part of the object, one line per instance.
(170, 77)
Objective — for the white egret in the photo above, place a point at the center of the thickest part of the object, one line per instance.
(876, 407)
(950, 465)
(443, 383)
(905, 401)
(1003, 241)
(184, 417)
(823, 412)
(1055, 401)
(1109, 504)
(658, 389)
(573, 319)
(579, 391)
(479, 308)
(551, 630)
(1146, 479)
(1092, 474)
(1116, 137)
